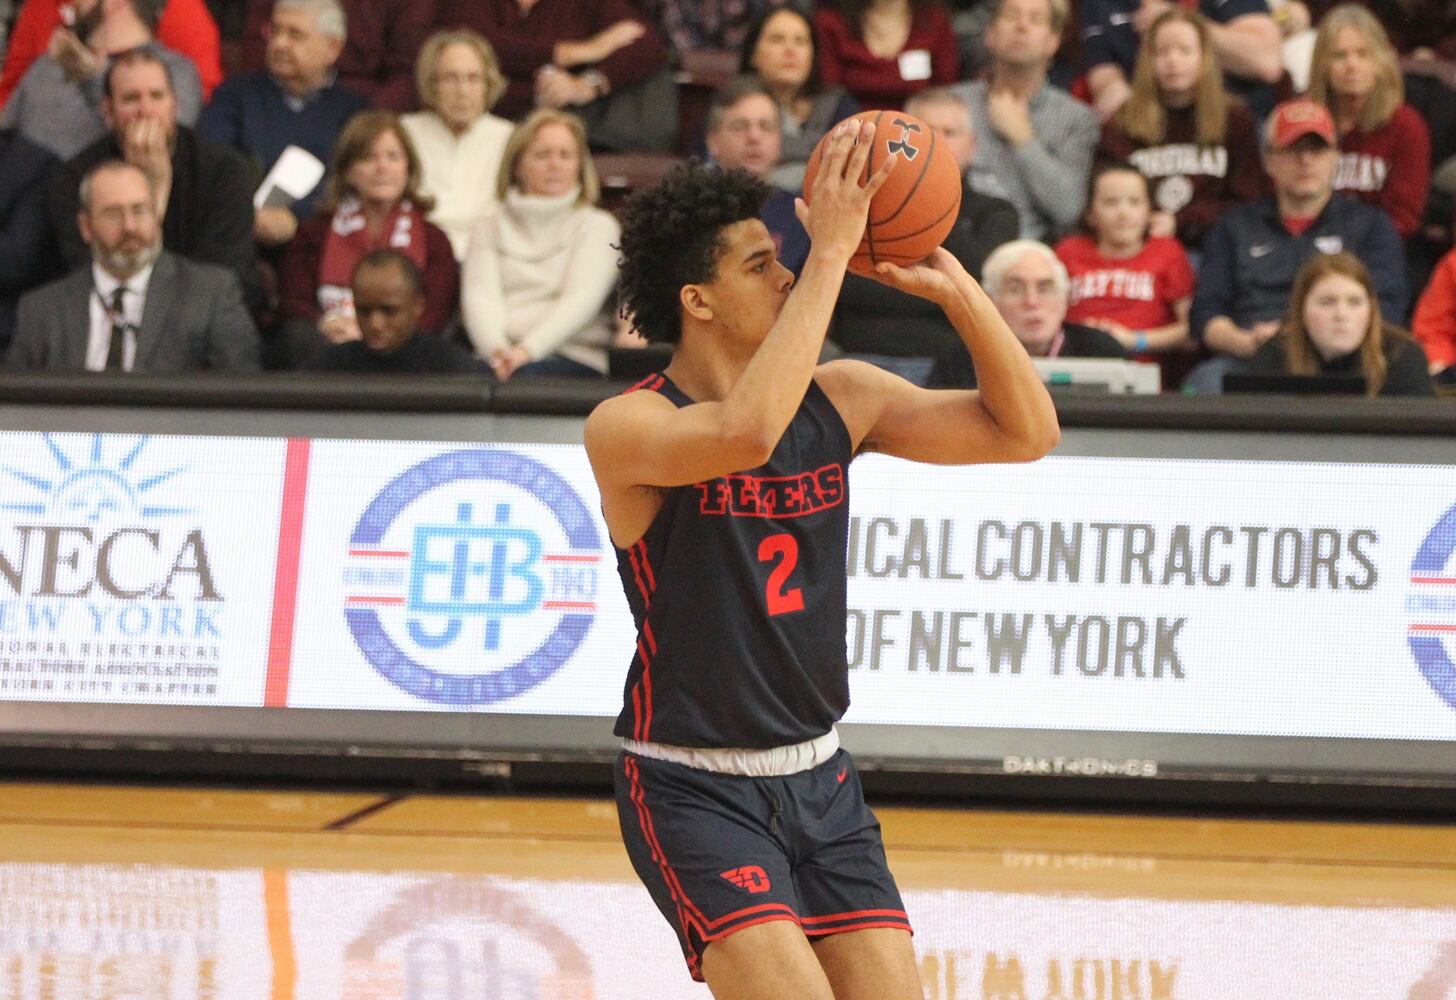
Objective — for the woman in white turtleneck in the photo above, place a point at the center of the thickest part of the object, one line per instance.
(541, 268)
(459, 141)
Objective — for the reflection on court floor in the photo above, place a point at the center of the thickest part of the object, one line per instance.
(314, 897)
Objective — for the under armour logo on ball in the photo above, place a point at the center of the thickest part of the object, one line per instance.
(902, 144)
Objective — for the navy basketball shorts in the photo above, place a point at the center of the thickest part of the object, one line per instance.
(720, 852)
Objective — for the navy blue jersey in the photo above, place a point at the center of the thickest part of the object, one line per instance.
(738, 592)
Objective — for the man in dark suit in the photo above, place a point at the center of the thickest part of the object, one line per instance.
(204, 190)
(135, 307)
(27, 245)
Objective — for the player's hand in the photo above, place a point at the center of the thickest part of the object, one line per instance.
(933, 278)
(836, 220)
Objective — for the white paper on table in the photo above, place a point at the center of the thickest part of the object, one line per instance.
(295, 173)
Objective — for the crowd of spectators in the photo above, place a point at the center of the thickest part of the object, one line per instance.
(1219, 187)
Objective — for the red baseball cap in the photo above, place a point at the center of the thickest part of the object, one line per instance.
(1293, 120)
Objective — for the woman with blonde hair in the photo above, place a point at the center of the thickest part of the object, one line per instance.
(1334, 327)
(1385, 147)
(541, 266)
(372, 202)
(458, 140)
(1196, 144)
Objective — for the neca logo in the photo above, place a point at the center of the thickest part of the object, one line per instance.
(81, 534)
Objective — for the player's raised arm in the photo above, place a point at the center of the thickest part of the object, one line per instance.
(742, 313)
(1010, 418)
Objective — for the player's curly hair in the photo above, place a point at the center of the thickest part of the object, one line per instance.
(672, 235)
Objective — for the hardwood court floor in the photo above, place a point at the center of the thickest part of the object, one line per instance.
(143, 893)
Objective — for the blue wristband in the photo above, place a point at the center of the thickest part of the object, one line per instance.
(1140, 341)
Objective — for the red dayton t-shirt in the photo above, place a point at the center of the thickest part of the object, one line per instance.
(1137, 291)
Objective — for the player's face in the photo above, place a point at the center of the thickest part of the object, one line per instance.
(748, 136)
(1337, 315)
(1352, 64)
(1031, 303)
(1120, 209)
(785, 50)
(748, 291)
(952, 122)
(1177, 59)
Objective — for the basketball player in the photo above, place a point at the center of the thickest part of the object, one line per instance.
(724, 484)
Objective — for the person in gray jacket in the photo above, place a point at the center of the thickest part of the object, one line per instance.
(135, 307)
(58, 104)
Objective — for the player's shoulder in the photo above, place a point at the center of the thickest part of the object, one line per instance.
(621, 413)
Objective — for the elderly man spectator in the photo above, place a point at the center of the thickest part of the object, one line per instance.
(1254, 252)
(135, 307)
(1036, 141)
(459, 142)
(204, 191)
(389, 299)
(743, 132)
(601, 60)
(905, 333)
(1244, 35)
(26, 242)
(378, 57)
(1029, 286)
(298, 102)
(58, 103)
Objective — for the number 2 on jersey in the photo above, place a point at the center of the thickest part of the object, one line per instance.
(783, 548)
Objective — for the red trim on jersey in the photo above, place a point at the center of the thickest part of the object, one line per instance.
(647, 567)
(656, 379)
(856, 913)
(651, 639)
(864, 926)
(637, 711)
(637, 577)
(646, 683)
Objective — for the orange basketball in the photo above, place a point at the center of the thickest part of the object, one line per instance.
(915, 210)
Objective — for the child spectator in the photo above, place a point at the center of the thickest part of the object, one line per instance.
(1123, 282)
(1194, 142)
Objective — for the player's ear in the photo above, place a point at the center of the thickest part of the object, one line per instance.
(696, 302)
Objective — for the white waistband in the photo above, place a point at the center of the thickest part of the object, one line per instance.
(774, 762)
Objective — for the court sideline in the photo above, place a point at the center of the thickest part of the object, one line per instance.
(121, 891)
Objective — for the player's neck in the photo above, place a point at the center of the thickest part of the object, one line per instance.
(706, 364)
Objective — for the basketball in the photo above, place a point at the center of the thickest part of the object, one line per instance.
(918, 205)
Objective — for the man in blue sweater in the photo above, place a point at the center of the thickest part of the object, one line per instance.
(1254, 252)
(296, 102)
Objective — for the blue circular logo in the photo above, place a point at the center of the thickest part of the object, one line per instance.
(518, 559)
(1432, 607)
